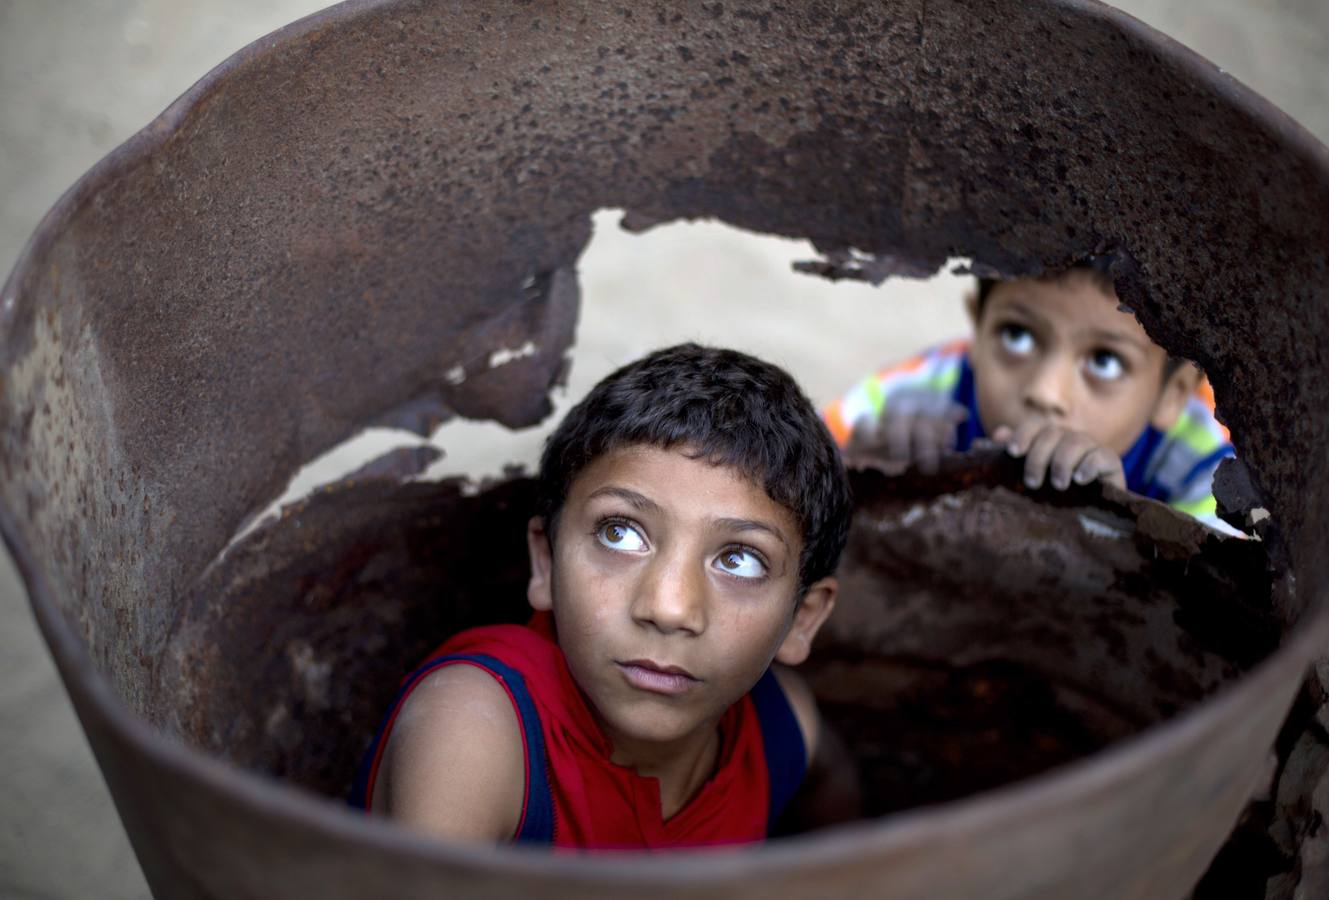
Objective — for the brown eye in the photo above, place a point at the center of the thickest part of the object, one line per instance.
(1016, 339)
(740, 562)
(620, 536)
(1105, 365)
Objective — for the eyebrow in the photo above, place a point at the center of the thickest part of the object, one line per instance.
(639, 502)
(1027, 312)
(1106, 336)
(731, 524)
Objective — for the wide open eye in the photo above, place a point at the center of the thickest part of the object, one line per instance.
(740, 562)
(1016, 339)
(1105, 365)
(620, 536)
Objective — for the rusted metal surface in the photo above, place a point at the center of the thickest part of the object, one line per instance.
(341, 224)
(986, 635)
(291, 648)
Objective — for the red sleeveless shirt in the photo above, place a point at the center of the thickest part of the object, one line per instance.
(575, 796)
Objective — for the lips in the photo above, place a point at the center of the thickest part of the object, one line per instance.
(646, 675)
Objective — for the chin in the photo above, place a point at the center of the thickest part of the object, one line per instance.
(655, 725)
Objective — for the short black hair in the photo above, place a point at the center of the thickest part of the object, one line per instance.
(1097, 270)
(727, 407)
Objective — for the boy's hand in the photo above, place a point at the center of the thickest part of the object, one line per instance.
(1059, 454)
(918, 438)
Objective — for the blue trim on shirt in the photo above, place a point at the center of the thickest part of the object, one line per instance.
(538, 823)
(360, 785)
(1136, 464)
(782, 740)
(971, 429)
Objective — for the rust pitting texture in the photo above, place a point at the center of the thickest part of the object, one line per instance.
(986, 634)
(340, 226)
(292, 647)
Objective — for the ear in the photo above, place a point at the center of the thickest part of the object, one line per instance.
(1177, 389)
(540, 590)
(812, 611)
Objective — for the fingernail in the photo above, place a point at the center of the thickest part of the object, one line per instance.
(1083, 477)
(1032, 481)
(1013, 448)
(1060, 483)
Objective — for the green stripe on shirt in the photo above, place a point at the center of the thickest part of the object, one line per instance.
(945, 381)
(1195, 434)
(876, 395)
(1205, 506)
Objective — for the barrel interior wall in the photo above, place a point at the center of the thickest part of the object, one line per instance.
(219, 393)
(90, 521)
(254, 287)
(289, 652)
(983, 636)
(991, 574)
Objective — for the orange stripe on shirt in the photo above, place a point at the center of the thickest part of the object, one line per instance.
(840, 430)
(1205, 391)
(914, 363)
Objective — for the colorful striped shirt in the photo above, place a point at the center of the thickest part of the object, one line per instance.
(1176, 466)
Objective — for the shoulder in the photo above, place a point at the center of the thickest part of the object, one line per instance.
(803, 705)
(1182, 464)
(518, 646)
(1198, 428)
(933, 372)
(455, 764)
(932, 362)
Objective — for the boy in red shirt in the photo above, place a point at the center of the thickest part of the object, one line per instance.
(693, 511)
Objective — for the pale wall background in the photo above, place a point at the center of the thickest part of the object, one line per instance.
(78, 78)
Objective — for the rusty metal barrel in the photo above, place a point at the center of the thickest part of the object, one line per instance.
(340, 224)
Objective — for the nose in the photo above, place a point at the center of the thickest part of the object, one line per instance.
(671, 597)
(1048, 390)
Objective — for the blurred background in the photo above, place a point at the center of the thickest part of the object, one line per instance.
(78, 77)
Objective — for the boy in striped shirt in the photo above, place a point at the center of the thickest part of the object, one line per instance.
(1058, 372)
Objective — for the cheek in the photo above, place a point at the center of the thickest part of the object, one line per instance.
(581, 590)
(994, 374)
(1118, 417)
(756, 628)
(586, 599)
(998, 401)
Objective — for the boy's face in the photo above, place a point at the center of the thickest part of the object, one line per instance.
(1061, 349)
(673, 584)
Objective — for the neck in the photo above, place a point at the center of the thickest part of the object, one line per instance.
(681, 766)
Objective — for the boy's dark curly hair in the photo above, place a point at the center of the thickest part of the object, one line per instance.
(1097, 268)
(723, 406)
